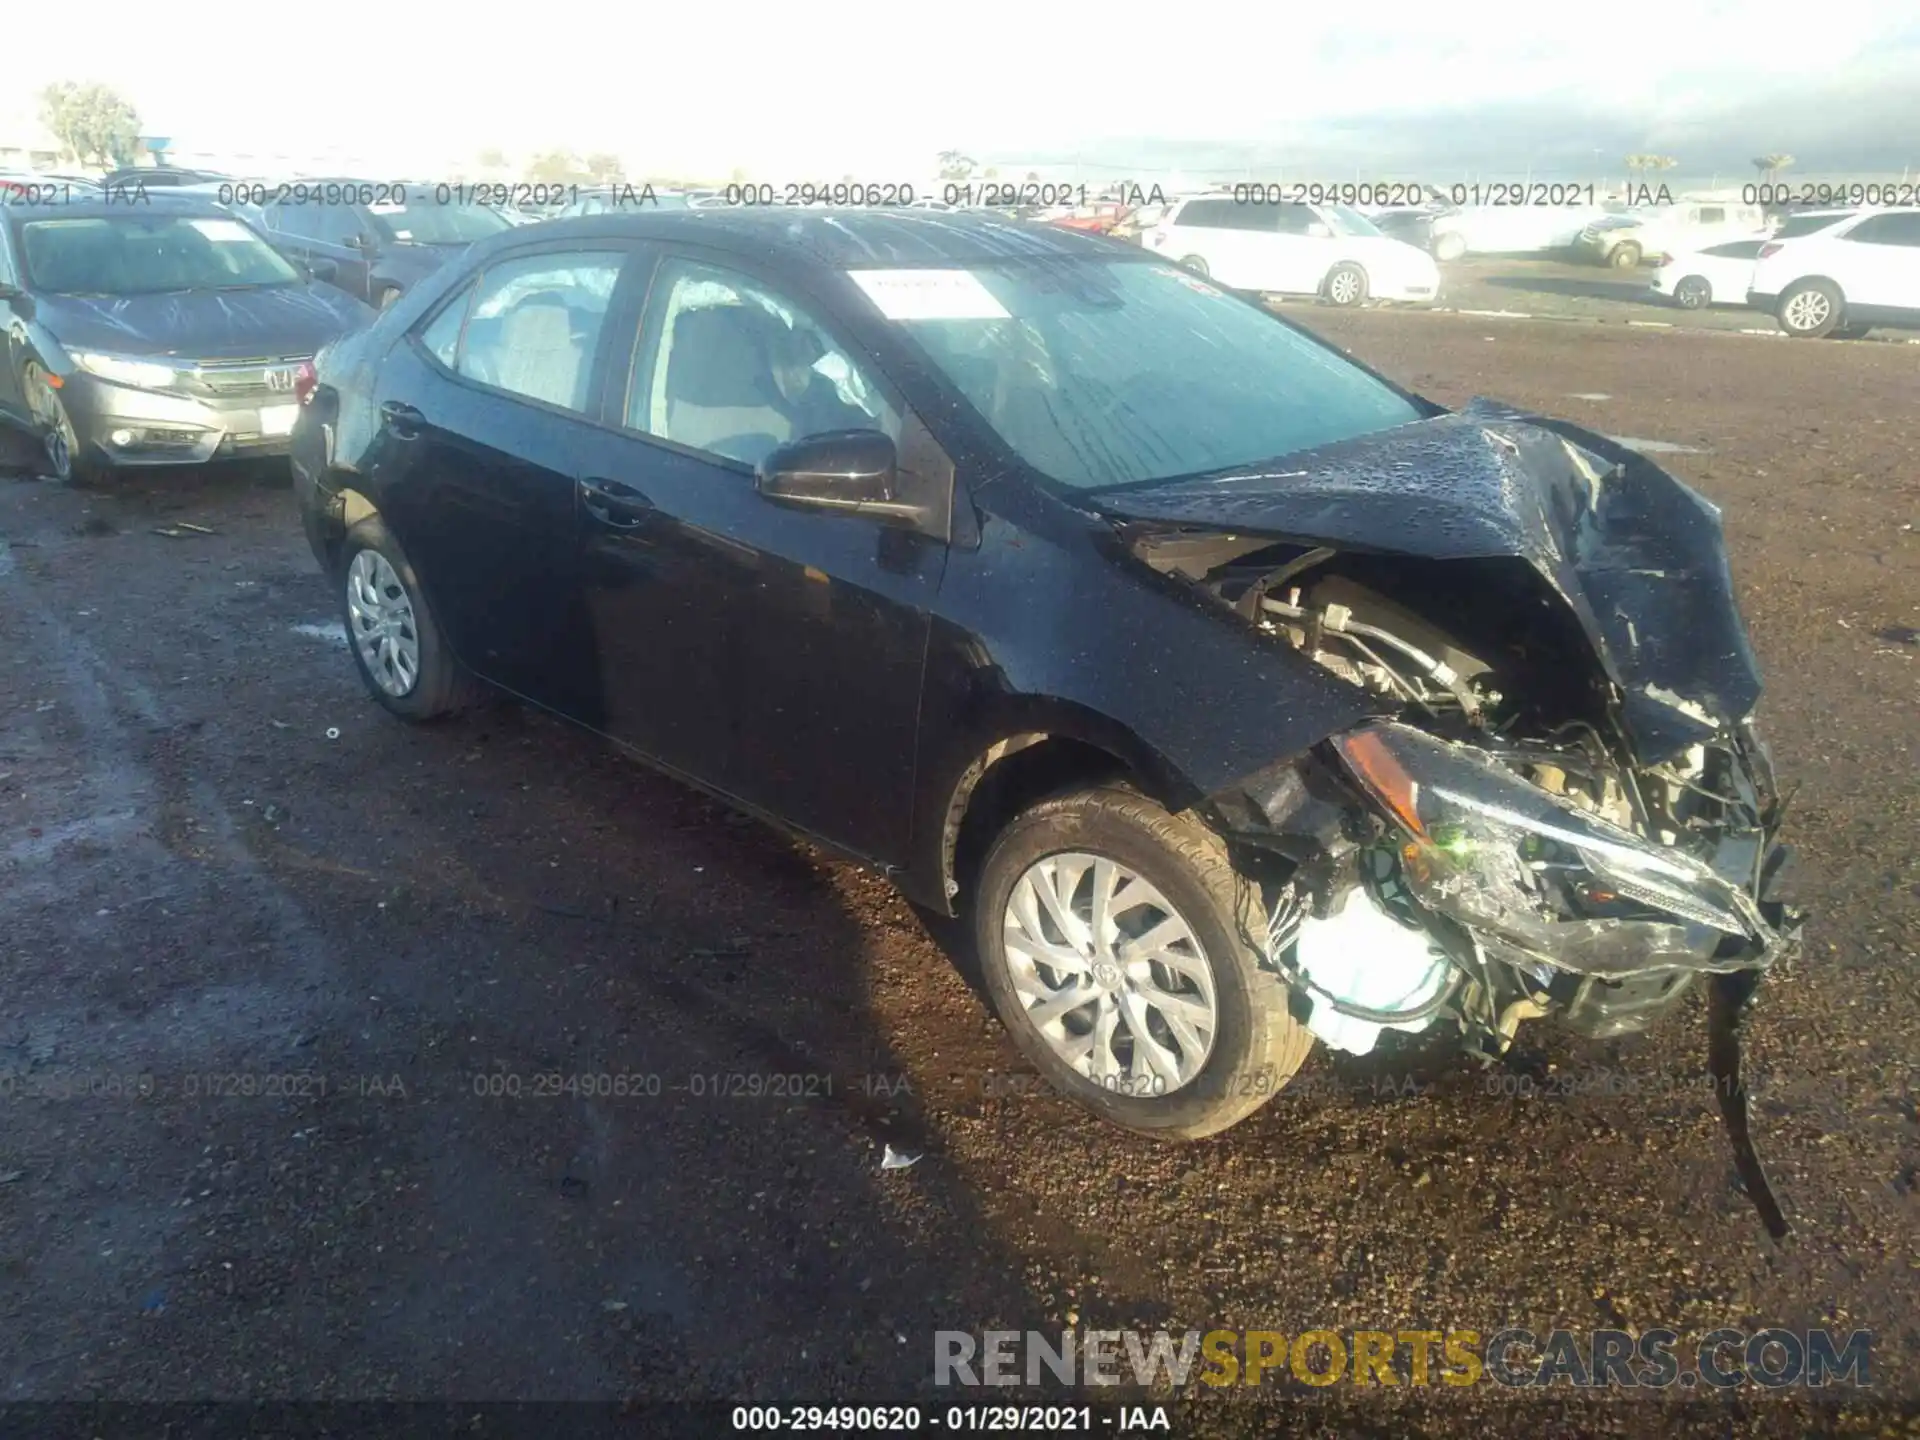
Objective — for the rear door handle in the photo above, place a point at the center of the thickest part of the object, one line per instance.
(402, 419)
(614, 503)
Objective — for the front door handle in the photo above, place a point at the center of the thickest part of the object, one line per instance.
(614, 503)
(402, 419)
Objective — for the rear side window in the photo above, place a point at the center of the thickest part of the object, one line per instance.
(329, 224)
(1801, 226)
(1901, 230)
(1208, 214)
(534, 323)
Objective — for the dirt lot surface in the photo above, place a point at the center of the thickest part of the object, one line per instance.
(343, 954)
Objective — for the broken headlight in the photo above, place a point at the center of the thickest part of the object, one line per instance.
(1538, 877)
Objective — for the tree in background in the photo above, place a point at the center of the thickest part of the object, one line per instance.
(1641, 163)
(1771, 165)
(557, 167)
(954, 165)
(91, 122)
(492, 158)
(604, 167)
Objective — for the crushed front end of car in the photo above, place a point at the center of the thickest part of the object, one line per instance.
(1564, 808)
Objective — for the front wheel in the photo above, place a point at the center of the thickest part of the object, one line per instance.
(396, 644)
(1693, 292)
(1117, 945)
(1624, 256)
(1197, 265)
(1346, 284)
(66, 461)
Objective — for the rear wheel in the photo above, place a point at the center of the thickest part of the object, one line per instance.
(1625, 255)
(1810, 309)
(396, 644)
(1118, 946)
(1197, 265)
(1693, 293)
(1346, 284)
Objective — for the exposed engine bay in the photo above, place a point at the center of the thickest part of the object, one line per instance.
(1519, 854)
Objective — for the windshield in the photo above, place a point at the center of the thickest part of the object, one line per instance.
(1102, 373)
(421, 222)
(147, 253)
(1350, 221)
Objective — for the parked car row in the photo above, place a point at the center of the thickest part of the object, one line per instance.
(1293, 249)
(1819, 273)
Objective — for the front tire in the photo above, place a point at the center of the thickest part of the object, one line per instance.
(1077, 995)
(67, 462)
(1693, 293)
(1197, 265)
(1345, 285)
(1625, 255)
(1811, 309)
(396, 643)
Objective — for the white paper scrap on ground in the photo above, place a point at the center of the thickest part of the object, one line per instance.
(930, 295)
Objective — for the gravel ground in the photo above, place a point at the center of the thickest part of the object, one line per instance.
(345, 952)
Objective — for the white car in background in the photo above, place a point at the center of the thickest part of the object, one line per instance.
(1845, 277)
(1513, 229)
(1292, 249)
(1623, 241)
(1717, 275)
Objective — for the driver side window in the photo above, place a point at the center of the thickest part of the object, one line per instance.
(732, 368)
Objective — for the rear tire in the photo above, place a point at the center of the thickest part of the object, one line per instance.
(1693, 293)
(1254, 1046)
(1625, 255)
(1197, 265)
(396, 643)
(1811, 309)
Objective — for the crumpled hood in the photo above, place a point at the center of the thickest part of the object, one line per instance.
(205, 324)
(1639, 557)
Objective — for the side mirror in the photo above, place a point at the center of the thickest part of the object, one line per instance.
(323, 269)
(840, 470)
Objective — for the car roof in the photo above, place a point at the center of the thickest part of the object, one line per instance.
(844, 239)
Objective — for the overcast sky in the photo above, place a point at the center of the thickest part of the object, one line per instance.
(875, 89)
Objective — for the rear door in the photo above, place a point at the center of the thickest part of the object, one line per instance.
(1215, 231)
(776, 653)
(486, 410)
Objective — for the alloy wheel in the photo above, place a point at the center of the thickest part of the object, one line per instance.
(382, 623)
(44, 403)
(1808, 310)
(1344, 288)
(1110, 974)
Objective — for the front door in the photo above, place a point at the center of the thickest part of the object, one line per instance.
(775, 653)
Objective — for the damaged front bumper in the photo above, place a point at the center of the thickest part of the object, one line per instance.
(1488, 899)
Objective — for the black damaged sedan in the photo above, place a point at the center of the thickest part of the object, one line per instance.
(1239, 697)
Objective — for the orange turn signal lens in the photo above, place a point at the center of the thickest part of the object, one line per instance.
(1374, 764)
